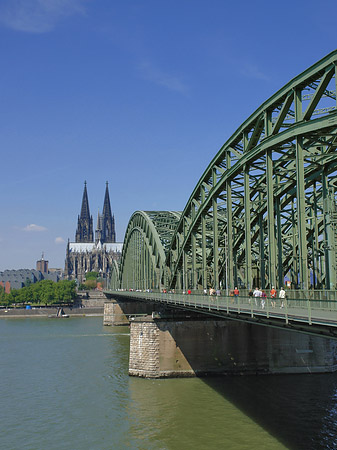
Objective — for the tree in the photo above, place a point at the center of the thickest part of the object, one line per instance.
(47, 292)
(5, 299)
(23, 295)
(65, 291)
(91, 275)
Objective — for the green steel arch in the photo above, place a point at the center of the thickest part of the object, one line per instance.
(265, 206)
(114, 276)
(147, 239)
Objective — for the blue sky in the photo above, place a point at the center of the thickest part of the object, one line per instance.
(141, 94)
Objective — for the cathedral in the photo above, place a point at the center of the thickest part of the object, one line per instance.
(91, 253)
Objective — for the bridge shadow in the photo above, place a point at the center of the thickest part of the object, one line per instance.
(300, 411)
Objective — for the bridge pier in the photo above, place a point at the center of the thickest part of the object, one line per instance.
(117, 312)
(201, 347)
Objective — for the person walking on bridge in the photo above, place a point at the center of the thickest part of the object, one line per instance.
(257, 294)
(282, 296)
(273, 297)
(236, 293)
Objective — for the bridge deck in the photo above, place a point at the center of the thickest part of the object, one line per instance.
(309, 316)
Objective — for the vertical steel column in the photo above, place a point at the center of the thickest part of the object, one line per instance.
(133, 263)
(317, 274)
(177, 263)
(139, 249)
(151, 273)
(137, 261)
(270, 206)
(329, 238)
(271, 220)
(215, 236)
(248, 249)
(312, 246)
(300, 194)
(261, 233)
(294, 272)
(203, 240)
(229, 213)
(280, 275)
(143, 263)
(193, 250)
(301, 217)
(178, 280)
(147, 268)
(142, 267)
(185, 280)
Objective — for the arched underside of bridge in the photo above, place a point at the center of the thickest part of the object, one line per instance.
(146, 242)
(263, 209)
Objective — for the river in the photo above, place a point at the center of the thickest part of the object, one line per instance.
(65, 386)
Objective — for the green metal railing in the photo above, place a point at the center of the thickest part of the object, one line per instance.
(306, 309)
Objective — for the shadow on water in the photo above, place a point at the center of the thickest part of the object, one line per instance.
(299, 410)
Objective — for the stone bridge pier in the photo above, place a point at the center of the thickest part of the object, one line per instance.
(176, 343)
(203, 347)
(119, 312)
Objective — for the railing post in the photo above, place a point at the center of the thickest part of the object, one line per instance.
(267, 307)
(309, 311)
(286, 309)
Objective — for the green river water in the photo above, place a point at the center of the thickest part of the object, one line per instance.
(65, 386)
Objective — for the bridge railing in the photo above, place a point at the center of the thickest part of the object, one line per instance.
(303, 309)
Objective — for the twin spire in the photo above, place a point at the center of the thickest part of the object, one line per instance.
(105, 232)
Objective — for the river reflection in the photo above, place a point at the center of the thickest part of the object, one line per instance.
(65, 386)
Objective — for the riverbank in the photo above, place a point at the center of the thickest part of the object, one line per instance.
(43, 312)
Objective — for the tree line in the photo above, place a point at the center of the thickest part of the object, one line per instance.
(45, 292)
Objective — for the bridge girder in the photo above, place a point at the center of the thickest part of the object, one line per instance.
(265, 205)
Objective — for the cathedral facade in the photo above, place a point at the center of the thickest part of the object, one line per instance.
(89, 252)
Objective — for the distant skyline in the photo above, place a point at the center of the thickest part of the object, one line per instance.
(139, 94)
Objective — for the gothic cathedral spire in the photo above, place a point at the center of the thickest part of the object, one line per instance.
(84, 232)
(108, 221)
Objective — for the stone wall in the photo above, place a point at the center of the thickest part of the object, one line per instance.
(47, 311)
(119, 312)
(145, 350)
(92, 299)
(161, 348)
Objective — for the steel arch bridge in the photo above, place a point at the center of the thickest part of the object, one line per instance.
(264, 208)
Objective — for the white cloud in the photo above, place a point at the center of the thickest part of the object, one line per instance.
(156, 75)
(59, 240)
(37, 16)
(33, 227)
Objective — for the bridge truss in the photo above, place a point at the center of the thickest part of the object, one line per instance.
(264, 208)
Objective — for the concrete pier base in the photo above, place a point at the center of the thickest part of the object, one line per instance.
(170, 348)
